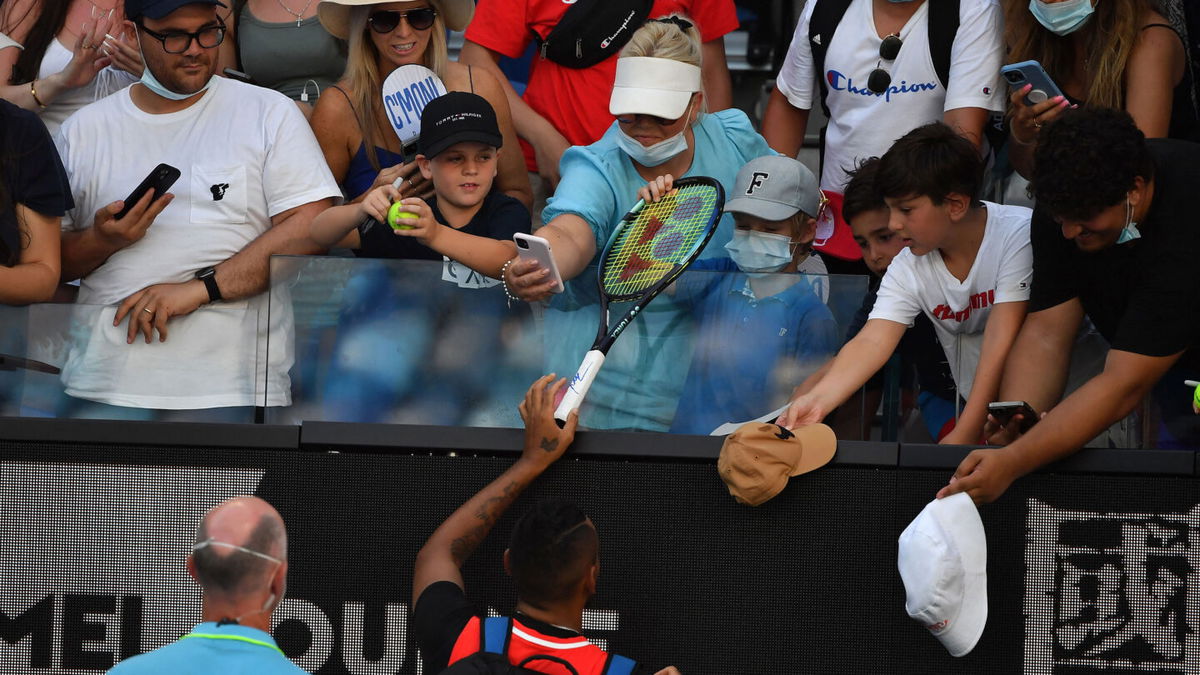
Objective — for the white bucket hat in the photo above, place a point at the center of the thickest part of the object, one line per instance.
(335, 14)
(943, 562)
(651, 86)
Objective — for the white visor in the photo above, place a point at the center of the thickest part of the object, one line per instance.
(651, 86)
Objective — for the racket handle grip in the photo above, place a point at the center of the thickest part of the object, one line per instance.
(578, 387)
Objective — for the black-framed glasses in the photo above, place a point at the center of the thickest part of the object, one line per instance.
(880, 79)
(386, 20)
(178, 42)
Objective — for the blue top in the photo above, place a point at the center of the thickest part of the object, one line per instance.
(229, 649)
(748, 350)
(360, 175)
(639, 385)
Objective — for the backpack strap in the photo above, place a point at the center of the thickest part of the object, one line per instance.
(826, 16)
(495, 635)
(943, 27)
(619, 665)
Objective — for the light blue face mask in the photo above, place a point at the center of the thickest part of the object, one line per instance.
(1130, 231)
(1062, 18)
(157, 87)
(653, 155)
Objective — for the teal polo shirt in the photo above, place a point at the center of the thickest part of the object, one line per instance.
(209, 648)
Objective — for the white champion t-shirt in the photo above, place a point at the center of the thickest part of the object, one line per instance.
(245, 154)
(959, 310)
(864, 124)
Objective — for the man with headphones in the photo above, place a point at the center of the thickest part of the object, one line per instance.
(240, 561)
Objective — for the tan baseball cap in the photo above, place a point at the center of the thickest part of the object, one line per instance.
(758, 459)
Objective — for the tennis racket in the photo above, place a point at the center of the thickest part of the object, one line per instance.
(652, 245)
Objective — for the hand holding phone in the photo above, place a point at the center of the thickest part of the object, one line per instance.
(160, 179)
(1005, 411)
(537, 249)
(121, 227)
(1031, 73)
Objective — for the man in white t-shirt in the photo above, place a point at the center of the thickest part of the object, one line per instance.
(872, 100)
(173, 311)
(967, 267)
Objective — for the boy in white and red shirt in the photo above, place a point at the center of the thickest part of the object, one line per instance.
(967, 267)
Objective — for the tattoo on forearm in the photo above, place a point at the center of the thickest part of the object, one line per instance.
(549, 444)
(487, 514)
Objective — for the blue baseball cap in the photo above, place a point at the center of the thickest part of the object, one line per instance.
(157, 9)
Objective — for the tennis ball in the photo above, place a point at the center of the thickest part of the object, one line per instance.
(395, 215)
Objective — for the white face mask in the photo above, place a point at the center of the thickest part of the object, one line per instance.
(659, 153)
(759, 252)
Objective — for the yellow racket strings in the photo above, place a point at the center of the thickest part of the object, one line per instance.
(661, 236)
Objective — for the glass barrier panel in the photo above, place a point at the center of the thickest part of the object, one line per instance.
(422, 342)
(70, 361)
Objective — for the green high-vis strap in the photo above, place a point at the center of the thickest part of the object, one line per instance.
(238, 638)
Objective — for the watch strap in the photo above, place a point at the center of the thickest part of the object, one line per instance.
(209, 276)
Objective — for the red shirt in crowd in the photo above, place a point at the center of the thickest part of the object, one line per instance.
(575, 101)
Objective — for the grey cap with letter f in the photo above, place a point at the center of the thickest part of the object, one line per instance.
(774, 187)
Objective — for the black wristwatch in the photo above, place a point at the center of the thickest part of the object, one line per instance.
(209, 276)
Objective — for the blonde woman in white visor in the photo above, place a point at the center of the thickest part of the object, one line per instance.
(661, 129)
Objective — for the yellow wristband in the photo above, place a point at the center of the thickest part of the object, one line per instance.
(33, 93)
(1196, 397)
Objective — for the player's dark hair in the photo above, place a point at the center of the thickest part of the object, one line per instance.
(932, 161)
(551, 548)
(1086, 161)
(862, 192)
(228, 572)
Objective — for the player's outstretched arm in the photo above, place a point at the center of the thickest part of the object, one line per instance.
(449, 547)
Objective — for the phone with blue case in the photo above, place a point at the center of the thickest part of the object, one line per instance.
(1030, 72)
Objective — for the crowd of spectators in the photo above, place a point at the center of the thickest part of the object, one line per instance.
(273, 115)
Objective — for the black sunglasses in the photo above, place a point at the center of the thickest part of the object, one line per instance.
(386, 20)
(880, 79)
(178, 42)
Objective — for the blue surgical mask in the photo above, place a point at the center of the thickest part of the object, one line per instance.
(1130, 231)
(1062, 18)
(659, 153)
(157, 87)
(759, 252)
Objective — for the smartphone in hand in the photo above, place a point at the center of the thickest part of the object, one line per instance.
(160, 180)
(530, 247)
(1004, 411)
(1018, 75)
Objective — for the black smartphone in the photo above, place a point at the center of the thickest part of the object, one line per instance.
(1004, 411)
(160, 180)
(238, 75)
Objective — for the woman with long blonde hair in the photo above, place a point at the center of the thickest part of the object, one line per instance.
(1119, 54)
(349, 119)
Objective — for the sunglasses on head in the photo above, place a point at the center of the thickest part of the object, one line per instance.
(386, 20)
(880, 79)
